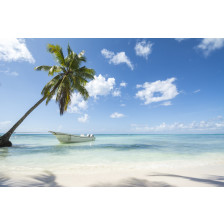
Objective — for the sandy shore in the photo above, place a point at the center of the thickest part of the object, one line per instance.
(201, 176)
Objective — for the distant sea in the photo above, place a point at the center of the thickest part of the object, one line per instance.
(43, 152)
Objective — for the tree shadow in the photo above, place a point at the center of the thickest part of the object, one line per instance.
(134, 182)
(47, 179)
(215, 177)
(211, 180)
(4, 181)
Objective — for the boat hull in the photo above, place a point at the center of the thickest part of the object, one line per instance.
(67, 138)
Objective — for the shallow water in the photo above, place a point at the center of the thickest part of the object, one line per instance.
(44, 152)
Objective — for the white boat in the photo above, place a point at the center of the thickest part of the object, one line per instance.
(68, 138)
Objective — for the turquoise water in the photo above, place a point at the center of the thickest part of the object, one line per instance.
(43, 151)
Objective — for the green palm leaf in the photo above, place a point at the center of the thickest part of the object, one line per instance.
(69, 49)
(54, 69)
(43, 68)
(56, 50)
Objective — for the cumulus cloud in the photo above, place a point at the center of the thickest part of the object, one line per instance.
(157, 91)
(123, 84)
(83, 119)
(15, 50)
(100, 86)
(208, 45)
(116, 115)
(216, 124)
(143, 48)
(78, 104)
(117, 58)
(117, 92)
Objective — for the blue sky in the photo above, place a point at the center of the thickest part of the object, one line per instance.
(141, 86)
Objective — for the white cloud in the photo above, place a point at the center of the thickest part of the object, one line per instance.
(197, 91)
(100, 86)
(208, 45)
(106, 53)
(201, 126)
(121, 58)
(117, 58)
(116, 115)
(166, 103)
(157, 91)
(8, 72)
(15, 50)
(143, 48)
(123, 105)
(83, 119)
(117, 92)
(180, 39)
(123, 84)
(77, 104)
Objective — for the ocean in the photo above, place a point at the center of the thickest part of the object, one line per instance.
(39, 152)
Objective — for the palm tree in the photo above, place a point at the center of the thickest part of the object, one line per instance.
(69, 76)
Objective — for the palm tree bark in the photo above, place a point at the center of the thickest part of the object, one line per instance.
(4, 140)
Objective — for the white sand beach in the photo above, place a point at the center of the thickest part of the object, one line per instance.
(96, 176)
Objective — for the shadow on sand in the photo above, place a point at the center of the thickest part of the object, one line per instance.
(4, 181)
(47, 179)
(215, 181)
(134, 182)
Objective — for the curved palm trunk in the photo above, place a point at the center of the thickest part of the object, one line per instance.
(4, 139)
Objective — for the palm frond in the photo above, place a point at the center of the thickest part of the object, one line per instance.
(83, 91)
(75, 61)
(56, 50)
(45, 68)
(54, 69)
(78, 86)
(69, 49)
(64, 93)
(86, 73)
(81, 54)
(50, 88)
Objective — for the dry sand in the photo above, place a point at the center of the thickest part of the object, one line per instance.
(97, 176)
